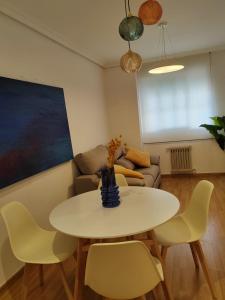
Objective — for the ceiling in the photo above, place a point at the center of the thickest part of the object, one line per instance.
(90, 27)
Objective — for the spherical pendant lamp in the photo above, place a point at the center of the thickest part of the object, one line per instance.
(131, 62)
(150, 12)
(131, 28)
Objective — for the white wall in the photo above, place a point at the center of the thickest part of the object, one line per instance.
(122, 103)
(207, 157)
(29, 56)
(121, 94)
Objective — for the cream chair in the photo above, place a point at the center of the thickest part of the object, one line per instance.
(33, 245)
(120, 180)
(124, 270)
(189, 227)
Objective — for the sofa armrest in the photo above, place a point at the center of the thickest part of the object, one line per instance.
(86, 183)
(155, 159)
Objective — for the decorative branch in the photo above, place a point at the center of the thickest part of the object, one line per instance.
(113, 146)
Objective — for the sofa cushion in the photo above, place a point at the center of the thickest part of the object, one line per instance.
(127, 172)
(119, 152)
(155, 159)
(122, 161)
(149, 181)
(92, 161)
(138, 157)
(153, 171)
(135, 181)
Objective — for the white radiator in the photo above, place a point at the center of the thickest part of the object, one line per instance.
(180, 158)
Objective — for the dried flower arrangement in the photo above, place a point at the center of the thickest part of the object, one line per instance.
(113, 146)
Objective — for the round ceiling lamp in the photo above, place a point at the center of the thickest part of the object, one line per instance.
(131, 28)
(150, 12)
(131, 62)
(163, 66)
(166, 69)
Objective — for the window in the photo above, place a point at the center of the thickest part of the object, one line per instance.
(173, 105)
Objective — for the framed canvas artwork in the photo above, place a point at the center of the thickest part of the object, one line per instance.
(34, 131)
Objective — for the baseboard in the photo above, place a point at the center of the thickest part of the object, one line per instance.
(11, 280)
(194, 174)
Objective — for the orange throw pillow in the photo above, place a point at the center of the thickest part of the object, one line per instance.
(127, 172)
(138, 157)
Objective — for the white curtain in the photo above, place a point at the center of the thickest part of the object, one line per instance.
(173, 105)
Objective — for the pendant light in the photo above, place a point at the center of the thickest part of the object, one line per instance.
(163, 66)
(150, 12)
(131, 62)
(131, 28)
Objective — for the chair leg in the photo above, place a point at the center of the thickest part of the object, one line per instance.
(194, 254)
(164, 252)
(80, 270)
(141, 298)
(41, 274)
(24, 284)
(156, 252)
(65, 283)
(166, 291)
(202, 260)
(154, 294)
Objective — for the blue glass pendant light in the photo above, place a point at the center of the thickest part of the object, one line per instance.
(131, 27)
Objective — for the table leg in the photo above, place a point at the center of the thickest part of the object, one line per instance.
(156, 252)
(155, 246)
(80, 270)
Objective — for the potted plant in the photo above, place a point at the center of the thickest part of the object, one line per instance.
(217, 130)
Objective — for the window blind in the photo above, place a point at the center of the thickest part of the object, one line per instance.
(173, 105)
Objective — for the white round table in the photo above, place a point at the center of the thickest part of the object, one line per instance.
(83, 216)
(141, 209)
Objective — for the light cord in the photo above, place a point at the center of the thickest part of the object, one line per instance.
(129, 7)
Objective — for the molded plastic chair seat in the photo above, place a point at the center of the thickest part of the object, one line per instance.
(175, 231)
(191, 224)
(46, 247)
(124, 270)
(32, 244)
(158, 267)
(189, 227)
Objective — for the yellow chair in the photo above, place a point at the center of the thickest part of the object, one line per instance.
(189, 227)
(33, 245)
(120, 180)
(124, 270)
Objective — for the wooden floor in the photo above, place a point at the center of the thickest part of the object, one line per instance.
(185, 282)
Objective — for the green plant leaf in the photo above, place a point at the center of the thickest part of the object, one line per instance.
(212, 129)
(217, 130)
(219, 121)
(221, 141)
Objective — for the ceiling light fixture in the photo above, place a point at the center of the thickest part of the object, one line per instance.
(130, 29)
(150, 12)
(163, 66)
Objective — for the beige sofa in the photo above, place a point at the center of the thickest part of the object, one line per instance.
(89, 164)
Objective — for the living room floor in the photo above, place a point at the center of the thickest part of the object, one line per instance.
(185, 282)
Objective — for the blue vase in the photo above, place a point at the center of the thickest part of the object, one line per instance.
(109, 189)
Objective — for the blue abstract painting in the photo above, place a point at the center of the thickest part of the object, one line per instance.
(34, 131)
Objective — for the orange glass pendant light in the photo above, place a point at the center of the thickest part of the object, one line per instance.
(131, 62)
(150, 12)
